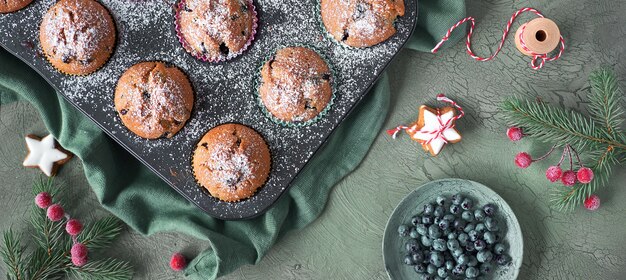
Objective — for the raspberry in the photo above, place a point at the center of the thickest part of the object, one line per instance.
(514, 133)
(568, 178)
(43, 200)
(592, 203)
(178, 262)
(554, 173)
(523, 160)
(55, 212)
(79, 261)
(584, 175)
(73, 227)
(79, 250)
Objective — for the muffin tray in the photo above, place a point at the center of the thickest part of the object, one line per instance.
(224, 92)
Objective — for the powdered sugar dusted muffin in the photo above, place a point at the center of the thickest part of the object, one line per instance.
(295, 84)
(8, 6)
(361, 23)
(153, 99)
(232, 162)
(77, 36)
(216, 30)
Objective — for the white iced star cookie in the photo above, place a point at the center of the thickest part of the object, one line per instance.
(45, 154)
(434, 128)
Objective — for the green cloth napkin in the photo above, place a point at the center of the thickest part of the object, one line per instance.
(132, 192)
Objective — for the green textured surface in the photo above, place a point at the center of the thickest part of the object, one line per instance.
(344, 243)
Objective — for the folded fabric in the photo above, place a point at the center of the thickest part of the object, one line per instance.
(132, 192)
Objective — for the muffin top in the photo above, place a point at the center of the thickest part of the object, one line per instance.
(154, 100)
(216, 30)
(77, 36)
(8, 6)
(361, 23)
(295, 84)
(231, 161)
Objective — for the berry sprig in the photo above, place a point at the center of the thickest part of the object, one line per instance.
(569, 178)
(55, 212)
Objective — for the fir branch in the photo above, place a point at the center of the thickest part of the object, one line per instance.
(101, 233)
(45, 184)
(48, 234)
(556, 125)
(604, 105)
(109, 269)
(49, 265)
(12, 255)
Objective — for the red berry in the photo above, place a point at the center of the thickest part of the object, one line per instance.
(568, 178)
(43, 200)
(55, 212)
(554, 173)
(79, 250)
(584, 175)
(178, 262)
(592, 203)
(79, 261)
(514, 133)
(73, 227)
(523, 160)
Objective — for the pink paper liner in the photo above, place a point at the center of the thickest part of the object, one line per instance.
(207, 58)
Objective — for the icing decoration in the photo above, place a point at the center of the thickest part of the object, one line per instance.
(45, 154)
(434, 127)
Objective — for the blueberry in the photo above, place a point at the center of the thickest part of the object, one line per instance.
(491, 224)
(442, 272)
(415, 220)
(431, 269)
(403, 230)
(466, 204)
(449, 217)
(426, 257)
(427, 220)
(421, 229)
(434, 231)
(485, 268)
(472, 261)
(480, 228)
(439, 211)
(468, 228)
(453, 244)
(489, 237)
(473, 235)
(436, 220)
(428, 209)
(452, 235)
(462, 259)
(470, 247)
(427, 241)
(463, 238)
(408, 260)
(467, 215)
(444, 224)
(503, 259)
(480, 244)
(449, 265)
(499, 248)
(489, 209)
(417, 257)
(412, 246)
(459, 270)
(413, 233)
(447, 231)
(459, 224)
(419, 268)
(457, 199)
(471, 272)
(455, 209)
(479, 215)
(436, 259)
(440, 200)
(484, 256)
(457, 252)
(439, 245)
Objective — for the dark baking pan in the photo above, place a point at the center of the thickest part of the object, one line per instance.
(224, 92)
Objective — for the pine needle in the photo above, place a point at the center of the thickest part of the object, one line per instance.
(101, 233)
(12, 252)
(109, 269)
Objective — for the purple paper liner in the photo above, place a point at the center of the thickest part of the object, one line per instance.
(207, 58)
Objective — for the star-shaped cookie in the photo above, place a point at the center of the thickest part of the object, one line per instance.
(45, 154)
(434, 128)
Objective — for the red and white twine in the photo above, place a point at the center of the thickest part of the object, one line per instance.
(543, 58)
(442, 126)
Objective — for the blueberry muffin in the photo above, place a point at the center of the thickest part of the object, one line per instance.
(232, 162)
(295, 84)
(153, 99)
(77, 36)
(215, 30)
(361, 23)
(8, 6)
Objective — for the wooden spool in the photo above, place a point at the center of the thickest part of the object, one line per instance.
(541, 36)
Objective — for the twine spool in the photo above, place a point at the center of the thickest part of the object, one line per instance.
(541, 36)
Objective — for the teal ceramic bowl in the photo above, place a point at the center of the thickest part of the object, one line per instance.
(393, 245)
